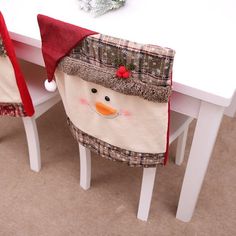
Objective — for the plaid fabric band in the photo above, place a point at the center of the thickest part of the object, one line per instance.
(2, 48)
(12, 109)
(148, 60)
(133, 159)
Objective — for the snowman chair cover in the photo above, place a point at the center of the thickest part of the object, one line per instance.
(15, 99)
(115, 92)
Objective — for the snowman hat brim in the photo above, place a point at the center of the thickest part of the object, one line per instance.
(107, 78)
(58, 38)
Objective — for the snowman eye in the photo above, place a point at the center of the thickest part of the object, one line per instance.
(107, 98)
(93, 90)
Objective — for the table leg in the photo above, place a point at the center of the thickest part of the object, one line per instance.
(209, 119)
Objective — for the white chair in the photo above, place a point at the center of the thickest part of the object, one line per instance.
(178, 130)
(116, 96)
(42, 101)
(22, 93)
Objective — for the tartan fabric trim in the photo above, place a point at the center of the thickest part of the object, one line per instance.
(12, 109)
(150, 61)
(2, 48)
(106, 77)
(133, 159)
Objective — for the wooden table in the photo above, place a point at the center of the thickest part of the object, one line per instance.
(204, 77)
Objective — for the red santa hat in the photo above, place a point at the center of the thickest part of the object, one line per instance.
(58, 39)
(20, 81)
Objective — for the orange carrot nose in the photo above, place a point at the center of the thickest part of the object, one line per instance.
(104, 109)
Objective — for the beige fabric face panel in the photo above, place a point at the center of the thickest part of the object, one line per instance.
(136, 124)
(9, 92)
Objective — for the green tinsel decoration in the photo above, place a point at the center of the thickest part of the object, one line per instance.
(100, 7)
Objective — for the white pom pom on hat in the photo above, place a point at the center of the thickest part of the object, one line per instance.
(50, 86)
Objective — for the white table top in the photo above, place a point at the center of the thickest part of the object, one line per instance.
(202, 33)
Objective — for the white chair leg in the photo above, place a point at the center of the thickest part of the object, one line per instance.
(85, 167)
(33, 143)
(181, 144)
(146, 193)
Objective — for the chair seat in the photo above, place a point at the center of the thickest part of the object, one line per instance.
(35, 76)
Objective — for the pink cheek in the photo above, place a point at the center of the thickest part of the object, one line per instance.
(125, 113)
(83, 101)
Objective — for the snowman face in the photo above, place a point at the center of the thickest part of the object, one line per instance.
(103, 104)
(125, 121)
